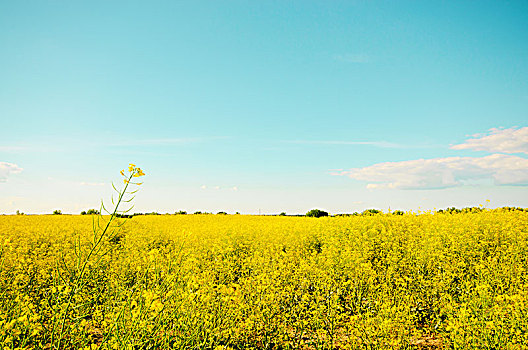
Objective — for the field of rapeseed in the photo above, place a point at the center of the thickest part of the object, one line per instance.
(435, 280)
(215, 281)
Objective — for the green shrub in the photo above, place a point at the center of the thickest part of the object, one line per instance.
(316, 213)
(369, 212)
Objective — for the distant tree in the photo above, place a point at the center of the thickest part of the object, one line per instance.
(316, 213)
(90, 212)
(369, 212)
(398, 212)
(19, 213)
(221, 213)
(181, 212)
(124, 216)
(57, 212)
(282, 214)
(237, 213)
(197, 212)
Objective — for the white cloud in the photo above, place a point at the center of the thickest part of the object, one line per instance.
(7, 169)
(513, 140)
(168, 141)
(443, 172)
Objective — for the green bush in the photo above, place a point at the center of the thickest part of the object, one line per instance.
(316, 213)
(369, 212)
(90, 212)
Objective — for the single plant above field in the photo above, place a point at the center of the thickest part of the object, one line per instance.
(87, 259)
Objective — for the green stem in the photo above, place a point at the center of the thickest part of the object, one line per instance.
(74, 291)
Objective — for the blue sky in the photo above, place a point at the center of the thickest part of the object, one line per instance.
(264, 105)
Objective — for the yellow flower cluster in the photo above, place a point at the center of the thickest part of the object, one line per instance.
(133, 171)
(251, 282)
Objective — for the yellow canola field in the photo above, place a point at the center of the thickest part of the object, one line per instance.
(429, 281)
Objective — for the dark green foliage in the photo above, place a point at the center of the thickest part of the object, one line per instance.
(369, 212)
(514, 209)
(90, 212)
(316, 213)
(454, 210)
(57, 212)
(124, 216)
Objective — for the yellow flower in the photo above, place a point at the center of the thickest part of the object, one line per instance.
(139, 173)
(131, 167)
(125, 181)
(123, 172)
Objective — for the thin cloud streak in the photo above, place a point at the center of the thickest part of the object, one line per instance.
(167, 141)
(92, 183)
(12, 149)
(380, 144)
(59, 146)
